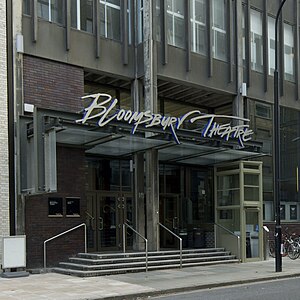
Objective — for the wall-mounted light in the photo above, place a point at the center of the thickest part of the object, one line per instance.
(243, 89)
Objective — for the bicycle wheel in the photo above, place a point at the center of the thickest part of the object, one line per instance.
(293, 251)
(272, 248)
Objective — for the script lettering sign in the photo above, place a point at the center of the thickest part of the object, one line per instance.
(104, 108)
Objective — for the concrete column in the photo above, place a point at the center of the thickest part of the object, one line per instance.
(140, 219)
(150, 98)
(238, 105)
(152, 197)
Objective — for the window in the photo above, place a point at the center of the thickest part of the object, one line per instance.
(263, 111)
(256, 41)
(110, 19)
(198, 24)
(51, 10)
(26, 7)
(82, 15)
(140, 20)
(219, 41)
(289, 73)
(175, 23)
(271, 44)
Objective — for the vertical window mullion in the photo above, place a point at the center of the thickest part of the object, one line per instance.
(49, 10)
(78, 15)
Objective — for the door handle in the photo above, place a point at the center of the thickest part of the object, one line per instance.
(100, 227)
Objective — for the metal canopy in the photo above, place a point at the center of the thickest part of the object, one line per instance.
(113, 144)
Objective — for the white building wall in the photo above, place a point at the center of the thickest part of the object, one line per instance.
(4, 167)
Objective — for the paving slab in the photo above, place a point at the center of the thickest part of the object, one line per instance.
(142, 285)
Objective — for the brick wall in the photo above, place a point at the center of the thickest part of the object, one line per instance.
(52, 85)
(4, 174)
(71, 169)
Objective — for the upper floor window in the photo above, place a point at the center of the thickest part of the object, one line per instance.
(198, 24)
(82, 15)
(219, 42)
(271, 44)
(51, 10)
(289, 73)
(175, 23)
(140, 9)
(26, 7)
(256, 41)
(110, 16)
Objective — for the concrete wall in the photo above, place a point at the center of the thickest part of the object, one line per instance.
(4, 174)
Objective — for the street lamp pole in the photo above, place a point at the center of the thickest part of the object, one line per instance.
(278, 258)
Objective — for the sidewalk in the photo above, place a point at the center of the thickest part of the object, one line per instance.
(133, 285)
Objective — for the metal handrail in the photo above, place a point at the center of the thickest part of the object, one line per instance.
(178, 237)
(62, 233)
(235, 235)
(146, 242)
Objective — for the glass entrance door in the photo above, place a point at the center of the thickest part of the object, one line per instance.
(105, 215)
(169, 217)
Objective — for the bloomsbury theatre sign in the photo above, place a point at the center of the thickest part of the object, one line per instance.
(104, 109)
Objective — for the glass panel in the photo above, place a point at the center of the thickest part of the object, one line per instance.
(289, 73)
(228, 197)
(251, 179)
(43, 9)
(219, 42)
(110, 19)
(107, 222)
(74, 12)
(113, 23)
(86, 15)
(251, 194)
(256, 41)
(198, 23)
(175, 23)
(57, 11)
(252, 238)
(26, 7)
(126, 176)
(271, 44)
(228, 182)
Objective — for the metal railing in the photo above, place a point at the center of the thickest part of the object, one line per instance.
(124, 241)
(179, 238)
(236, 236)
(63, 233)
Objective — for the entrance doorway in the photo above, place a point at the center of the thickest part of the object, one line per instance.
(106, 213)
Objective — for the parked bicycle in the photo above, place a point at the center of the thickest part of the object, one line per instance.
(290, 246)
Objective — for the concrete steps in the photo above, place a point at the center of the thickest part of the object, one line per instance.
(93, 264)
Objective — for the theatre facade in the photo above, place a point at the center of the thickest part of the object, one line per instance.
(147, 114)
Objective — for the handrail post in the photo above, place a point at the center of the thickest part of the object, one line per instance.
(180, 246)
(179, 238)
(63, 233)
(233, 234)
(85, 238)
(146, 249)
(146, 242)
(45, 255)
(124, 244)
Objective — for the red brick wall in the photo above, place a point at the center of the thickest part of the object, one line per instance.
(71, 167)
(52, 85)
